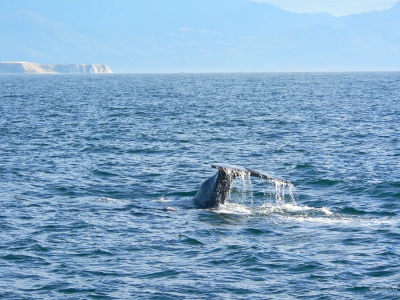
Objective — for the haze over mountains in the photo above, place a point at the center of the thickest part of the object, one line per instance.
(197, 36)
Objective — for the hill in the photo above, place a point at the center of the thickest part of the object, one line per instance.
(17, 67)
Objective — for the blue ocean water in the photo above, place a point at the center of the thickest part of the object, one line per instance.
(97, 176)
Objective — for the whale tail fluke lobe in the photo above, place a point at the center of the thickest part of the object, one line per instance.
(240, 169)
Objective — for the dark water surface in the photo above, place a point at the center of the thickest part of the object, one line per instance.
(91, 165)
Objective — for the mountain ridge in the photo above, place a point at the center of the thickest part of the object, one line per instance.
(20, 67)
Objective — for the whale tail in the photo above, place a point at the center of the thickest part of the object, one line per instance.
(215, 190)
(240, 169)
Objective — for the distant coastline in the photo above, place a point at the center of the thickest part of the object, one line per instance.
(20, 67)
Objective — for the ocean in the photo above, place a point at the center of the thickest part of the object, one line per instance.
(98, 173)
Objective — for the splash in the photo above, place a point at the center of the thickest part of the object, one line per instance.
(266, 195)
(163, 199)
(273, 191)
(283, 192)
(242, 189)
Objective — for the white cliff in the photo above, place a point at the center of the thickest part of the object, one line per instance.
(18, 67)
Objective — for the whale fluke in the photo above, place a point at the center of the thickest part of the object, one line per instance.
(214, 191)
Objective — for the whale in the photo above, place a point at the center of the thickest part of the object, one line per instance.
(215, 190)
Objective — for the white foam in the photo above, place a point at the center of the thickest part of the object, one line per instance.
(163, 199)
(233, 208)
(293, 209)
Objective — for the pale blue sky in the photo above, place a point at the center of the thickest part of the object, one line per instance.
(334, 7)
(203, 35)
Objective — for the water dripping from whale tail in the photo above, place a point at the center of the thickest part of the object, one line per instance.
(272, 196)
(279, 191)
(217, 189)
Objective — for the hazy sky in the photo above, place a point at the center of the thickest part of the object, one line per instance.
(334, 7)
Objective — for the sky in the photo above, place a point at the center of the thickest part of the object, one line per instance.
(334, 7)
(203, 35)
